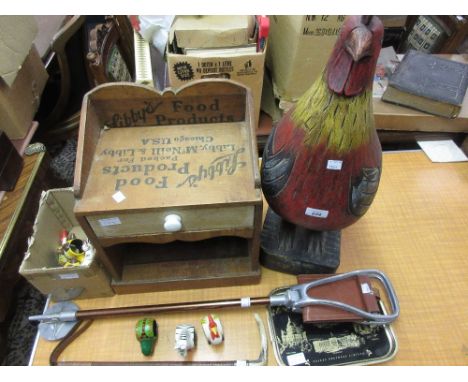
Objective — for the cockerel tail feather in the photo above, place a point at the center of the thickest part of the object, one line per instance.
(319, 111)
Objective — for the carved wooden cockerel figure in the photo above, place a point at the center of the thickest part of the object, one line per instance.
(322, 163)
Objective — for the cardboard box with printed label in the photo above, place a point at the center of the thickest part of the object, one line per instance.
(40, 266)
(22, 75)
(233, 57)
(298, 50)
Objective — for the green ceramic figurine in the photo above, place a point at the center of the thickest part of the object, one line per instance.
(146, 331)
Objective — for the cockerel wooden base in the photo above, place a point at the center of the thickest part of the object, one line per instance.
(290, 248)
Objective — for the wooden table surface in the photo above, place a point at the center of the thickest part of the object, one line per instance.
(12, 202)
(17, 211)
(416, 232)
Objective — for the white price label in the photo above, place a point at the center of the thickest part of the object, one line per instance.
(119, 197)
(245, 302)
(69, 276)
(109, 222)
(365, 288)
(334, 165)
(316, 213)
(296, 359)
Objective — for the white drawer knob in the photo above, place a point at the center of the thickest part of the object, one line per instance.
(172, 223)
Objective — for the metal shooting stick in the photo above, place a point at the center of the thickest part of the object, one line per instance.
(62, 317)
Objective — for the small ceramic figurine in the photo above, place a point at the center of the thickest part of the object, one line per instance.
(146, 331)
(212, 329)
(184, 338)
(71, 251)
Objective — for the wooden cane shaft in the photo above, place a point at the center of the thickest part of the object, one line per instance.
(163, 308)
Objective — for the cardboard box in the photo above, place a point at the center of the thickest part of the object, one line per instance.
(22, 75)
(238, 63)
(16, 36)
(40, 265)
(298, 50)
(211, 31)
(246, 69)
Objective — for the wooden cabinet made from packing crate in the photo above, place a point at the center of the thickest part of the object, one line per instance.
(167, 185)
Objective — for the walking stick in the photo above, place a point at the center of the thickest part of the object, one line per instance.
(78, 330)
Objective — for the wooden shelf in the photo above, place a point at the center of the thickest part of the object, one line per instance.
(145, 157)
(175, 275)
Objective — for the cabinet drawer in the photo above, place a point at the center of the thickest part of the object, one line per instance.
(153, 222)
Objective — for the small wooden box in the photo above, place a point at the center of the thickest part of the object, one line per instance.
(143, 156)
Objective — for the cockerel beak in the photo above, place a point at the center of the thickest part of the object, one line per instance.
(358, 44)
